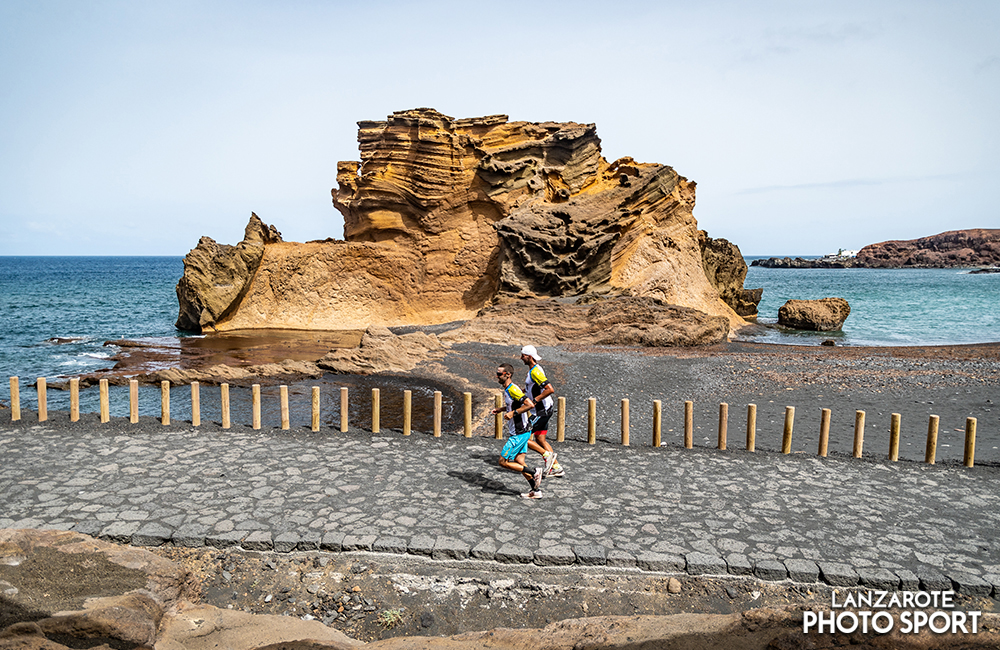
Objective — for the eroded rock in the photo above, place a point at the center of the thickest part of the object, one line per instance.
(823, 315)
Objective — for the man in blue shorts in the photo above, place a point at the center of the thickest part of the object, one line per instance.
(539, 390)
(515, 411)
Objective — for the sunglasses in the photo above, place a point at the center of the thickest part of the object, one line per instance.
(501, 374)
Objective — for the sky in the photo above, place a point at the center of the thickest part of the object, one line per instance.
(135, 128)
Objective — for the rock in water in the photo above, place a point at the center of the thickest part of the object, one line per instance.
(824, 315)
(443, 217)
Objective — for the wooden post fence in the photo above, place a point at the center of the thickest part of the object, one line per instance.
(561, 420)
(224, 398)
(688, 424)
(437, 414)
(133, 400)
(195, 404)
(283, 403)
(970, 442)
(74, 399)
(723, 425)
(255, 399)
(894, 437)
(407, 411)
(859, 433)
(376, 410)
(343, 409)
(591, 420)
(824, 432)
(930, 452)
(105, 406)
(625, 422)
(15, 400)
(315, 408)
(43, 409)
(657, 419)
(467, 402)
(786, 437)
(751, 427)
(164, 402)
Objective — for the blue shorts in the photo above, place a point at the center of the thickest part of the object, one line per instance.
(516, 445)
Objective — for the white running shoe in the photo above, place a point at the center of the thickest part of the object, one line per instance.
(550, 461)
(534, 494)
(557, 470)
(536, 480)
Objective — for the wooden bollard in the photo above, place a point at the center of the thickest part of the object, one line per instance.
(859, 433)
(786, 437)
(376, 409)
(407, 411)
(688, 424)
(255, 399)
(467, 401)
(437, 414)
(74, 399)
(315, 408)
(723, 424)
(657, 420)
(15, 400)
(164, 402)
(970, 442)
(283, 399)
(824, 432)
(894, 437)
(930, 452)
(591, 420)
(43, 401)
(105, 407)
(343, 409)
(195, 404)
(625, 423)
(133, 400)
(498, 418)
(561, 420)
(224, 405)
(751, 427)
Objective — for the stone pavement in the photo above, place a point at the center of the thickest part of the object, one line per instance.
(778, 517)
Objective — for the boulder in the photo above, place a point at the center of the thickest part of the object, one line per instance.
(726, 270)
(823, 315)
(444, 217)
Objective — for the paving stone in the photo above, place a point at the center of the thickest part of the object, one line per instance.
(931, 580)
(970, 585)
(88, 527)
(619, 558)
(259, 540)
(770, 570)
(449, 548)
(190, 535)
(358, 542)
(559, 555)
(705, 564)
(333, 542)
(878, 579)
(225, 540)
(739, 564)
(908, 580)
(837, 574)
(286, 542)
(119, 532)
(804, 571)
(421, 545)
(485, 550)
(511, 553)
(389, 545)
(663, 562)
(309, 541)
(152, 534)
(591, 555)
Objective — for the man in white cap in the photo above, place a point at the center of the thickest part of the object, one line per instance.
(540, 390)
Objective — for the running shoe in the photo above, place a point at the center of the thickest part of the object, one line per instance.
(550, 461)
(557, 470)
(537, 480)
(534, 494)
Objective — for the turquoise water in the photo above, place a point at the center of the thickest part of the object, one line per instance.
(888, 306)
(95, 299)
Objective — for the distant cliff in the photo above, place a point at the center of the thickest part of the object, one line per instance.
(953, 249)
(443, 217)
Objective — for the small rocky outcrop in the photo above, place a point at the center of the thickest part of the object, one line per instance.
(382, 351)
(726, 270)
(823, 315)
(444, 217)
(956, 248)
(216, 276)
(801, 263)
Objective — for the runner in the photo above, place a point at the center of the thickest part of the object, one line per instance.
(515, 409)
(540, 390)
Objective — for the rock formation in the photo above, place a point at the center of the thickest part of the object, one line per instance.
(953, 249)
(956, 248)
(824, 315)
(443, 217)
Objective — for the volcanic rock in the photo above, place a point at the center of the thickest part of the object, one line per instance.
(824, 315)
(956, 248)
(726, 270)
(444, 217)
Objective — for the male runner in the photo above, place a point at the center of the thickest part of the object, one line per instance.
(515, 409)
(540, 390)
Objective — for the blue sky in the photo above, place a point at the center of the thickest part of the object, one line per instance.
(134, 128)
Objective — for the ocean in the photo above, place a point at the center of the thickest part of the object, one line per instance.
(57, 312)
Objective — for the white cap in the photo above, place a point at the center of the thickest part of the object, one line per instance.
(531, 352)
